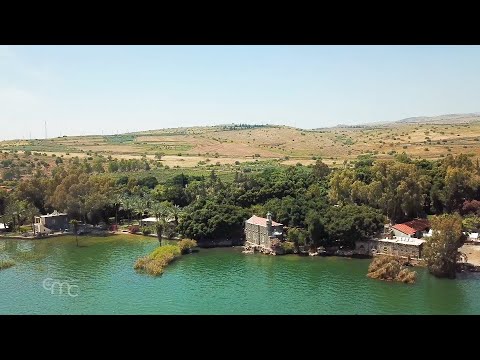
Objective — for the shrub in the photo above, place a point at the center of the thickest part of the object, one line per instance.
(133, 229)
(5, 264)
(141, 262)
(25, 228)
(406, 276)
(288, 247)
(389, 268)
(160, 251)
(186, 245)
(146, 231)
(155, 263)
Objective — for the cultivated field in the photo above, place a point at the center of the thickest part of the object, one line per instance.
(190, 147)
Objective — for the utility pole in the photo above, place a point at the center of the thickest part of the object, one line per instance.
(45, 129)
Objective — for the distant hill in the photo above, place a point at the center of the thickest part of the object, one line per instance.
(230, 144)
(442, 119)
(450, 119)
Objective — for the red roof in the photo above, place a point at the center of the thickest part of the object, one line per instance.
(261, 221)
(411, 227)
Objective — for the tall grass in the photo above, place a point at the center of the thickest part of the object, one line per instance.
(186, 245)
(155, 263)
(5, 264)
(29, 255)
(390, 268)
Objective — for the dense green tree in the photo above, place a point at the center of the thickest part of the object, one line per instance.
(209, 220)
(320, 170)
(18, 213)
(149, 182)
(346, 224)
(3, 201)
(471, 223)
(441, 249)
(316, 230)
(35, 191)
(298, 236)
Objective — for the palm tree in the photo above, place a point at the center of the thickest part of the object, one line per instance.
(30, 212)
(159, 227)
(74, 224)
(116, 202)
(127, 205)
(176, 211)
(161, 212)
(139, 206)
(20, 212)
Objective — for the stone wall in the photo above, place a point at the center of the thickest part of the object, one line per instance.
(56, 222)
(217, 243)
(403, 250)
(256, 234)
(388, 248)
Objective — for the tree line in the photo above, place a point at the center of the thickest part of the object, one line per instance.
(317, 204)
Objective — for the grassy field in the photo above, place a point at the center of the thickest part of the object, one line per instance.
(227, 146)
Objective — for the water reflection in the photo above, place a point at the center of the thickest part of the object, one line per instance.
(214, 281)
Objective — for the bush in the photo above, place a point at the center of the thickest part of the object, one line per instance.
(5, 264)
(186, 245)
(406, 276)
(389, 268)
(297, 235)
(25, 228)
(288, 247)
(155, 263)
(133, 229)
(146, 231)
(141, 262)
(160, 251)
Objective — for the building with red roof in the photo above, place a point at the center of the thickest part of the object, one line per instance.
(414, 228)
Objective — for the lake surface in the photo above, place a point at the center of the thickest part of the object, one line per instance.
(213, 281)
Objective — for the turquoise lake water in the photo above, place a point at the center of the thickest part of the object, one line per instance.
(212, 281)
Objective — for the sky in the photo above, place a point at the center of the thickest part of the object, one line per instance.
(81, 90)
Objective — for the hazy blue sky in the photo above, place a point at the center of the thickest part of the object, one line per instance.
(95, 89)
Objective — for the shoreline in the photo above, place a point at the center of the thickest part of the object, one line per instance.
(57, 235)
(472, 251)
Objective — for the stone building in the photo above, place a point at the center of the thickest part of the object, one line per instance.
(51, 222)
(261, 231)
(400, 246)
